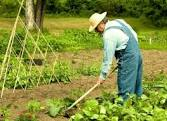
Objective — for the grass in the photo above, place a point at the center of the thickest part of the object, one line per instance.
(71, 33)
(58, 24)
(79, 39)
(153, 40)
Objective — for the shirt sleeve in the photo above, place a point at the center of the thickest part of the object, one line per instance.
(109, 50)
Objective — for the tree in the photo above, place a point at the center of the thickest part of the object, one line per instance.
(35, 13)
(29, 14)
(39, 13)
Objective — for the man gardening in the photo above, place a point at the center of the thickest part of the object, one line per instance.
(121, 41)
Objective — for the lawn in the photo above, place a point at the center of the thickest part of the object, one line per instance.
(73, 30)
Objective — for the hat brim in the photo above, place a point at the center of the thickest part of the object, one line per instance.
(102, 16)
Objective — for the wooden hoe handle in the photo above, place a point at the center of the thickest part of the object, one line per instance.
(90, 90)
(82, 97)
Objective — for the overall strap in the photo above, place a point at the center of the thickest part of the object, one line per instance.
(126, 29)
(123, 27)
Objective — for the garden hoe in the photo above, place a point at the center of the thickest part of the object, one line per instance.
(84, 95)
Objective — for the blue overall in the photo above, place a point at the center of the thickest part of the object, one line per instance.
(129, 77)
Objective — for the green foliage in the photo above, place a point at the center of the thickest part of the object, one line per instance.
(74, 39)
(68, 101)
(4, 41)
(55, 6)
(4, 113)
(26, 117)
(157, 13)
(8, 8)
(89, 70)
(70, 40)
(153, 10)
(151, 106)
(153, 40)
(76, 93)
(34, 106)
(63, 72)
(57, 106)
(54, 107)
(80, 39)
(14, 77)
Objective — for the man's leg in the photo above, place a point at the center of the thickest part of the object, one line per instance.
(139, 89)
(127, 73)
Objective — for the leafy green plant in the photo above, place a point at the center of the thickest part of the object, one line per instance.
(14, 76)
(55, 106)
(75, 39)
(153, 40)
(26, 117)
(68, 101)
(89, 70)
(151, 106)
(4, 114)
(34, 106)
(63, 72)
(25, 77)
(76, 93)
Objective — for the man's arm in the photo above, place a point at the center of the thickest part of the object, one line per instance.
(109, 50)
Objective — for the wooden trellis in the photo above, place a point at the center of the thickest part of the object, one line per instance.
(11, 53)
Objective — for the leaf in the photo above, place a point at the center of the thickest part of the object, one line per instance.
(115, 118)
(163, 101)
(53, 111)
(68, 101)
(77, 117)
(87, 113)
(102, 110)
(95, 117)
(102, 117)
(91, 104)
(55, 107)
(144, 97)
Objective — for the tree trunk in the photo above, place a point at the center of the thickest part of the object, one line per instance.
(29, 14)
(40, 7)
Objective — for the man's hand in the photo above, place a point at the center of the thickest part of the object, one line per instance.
(100, 81)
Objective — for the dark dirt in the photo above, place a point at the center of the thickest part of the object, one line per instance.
(154, 63)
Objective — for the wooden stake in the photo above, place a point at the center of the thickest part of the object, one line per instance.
(8, 51)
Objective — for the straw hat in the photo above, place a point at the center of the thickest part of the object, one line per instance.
(95, 19)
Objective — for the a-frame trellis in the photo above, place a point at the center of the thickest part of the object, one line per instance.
(22, 68)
